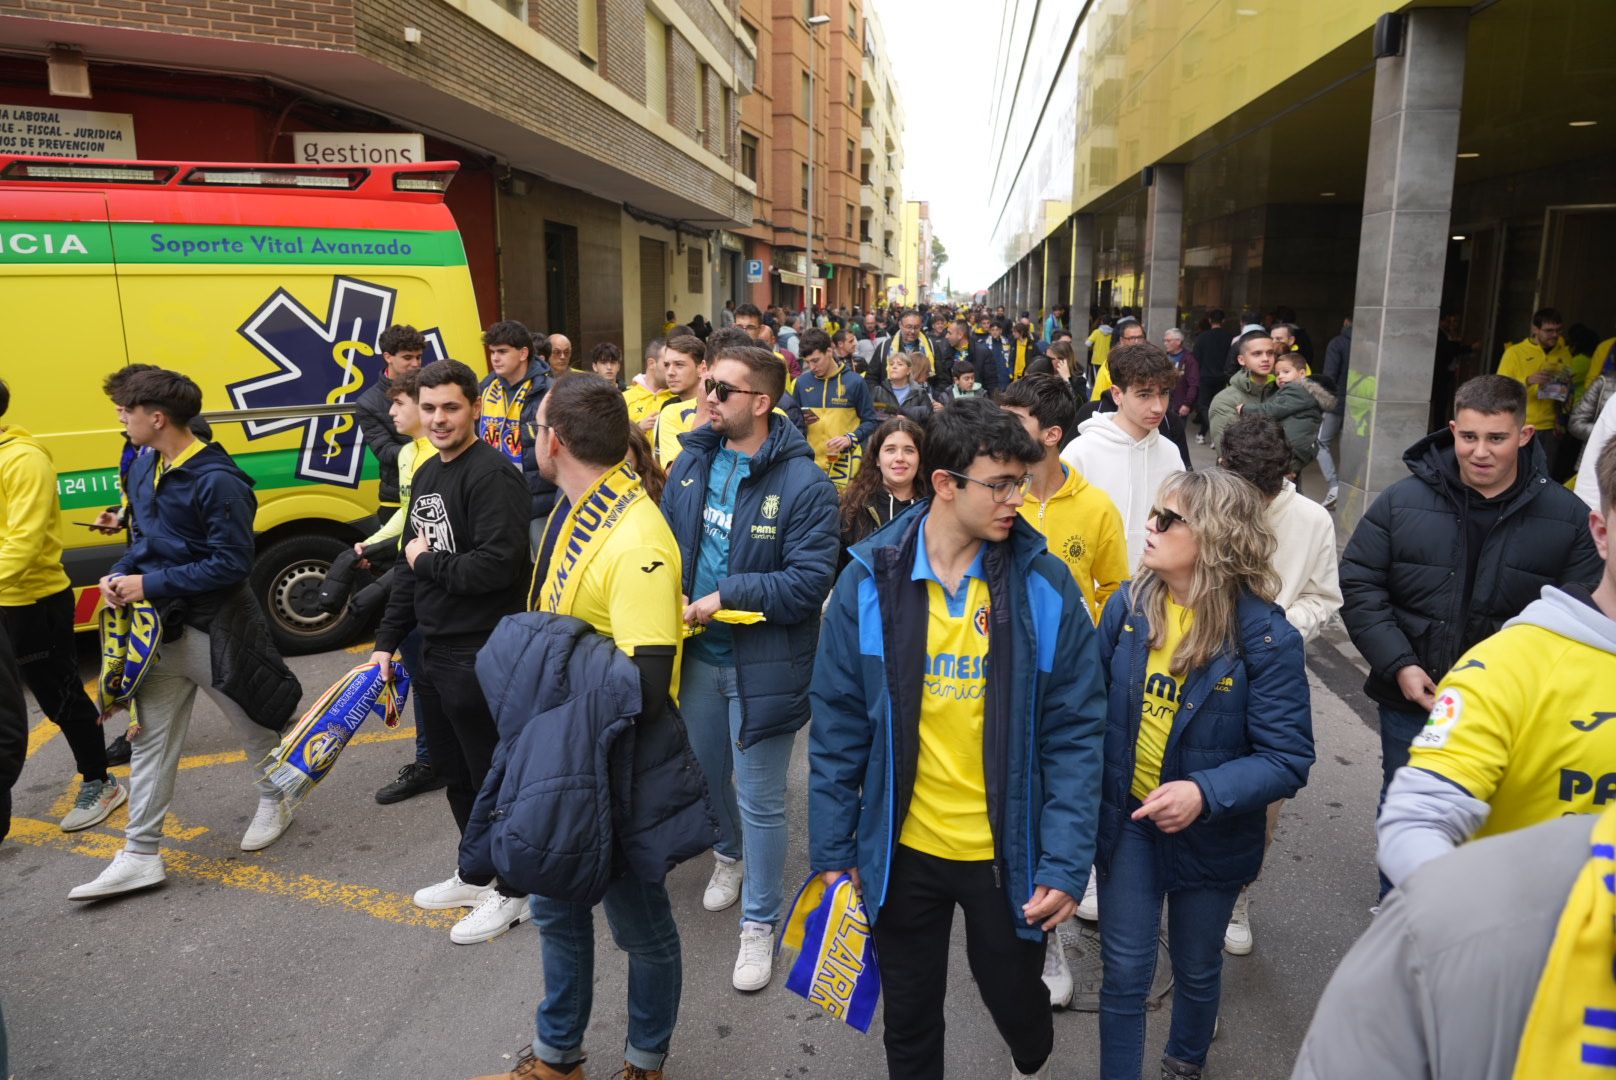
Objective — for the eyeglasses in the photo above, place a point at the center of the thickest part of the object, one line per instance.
(723, 390)
(534, 427)
(1166, 519)
(1002, 489)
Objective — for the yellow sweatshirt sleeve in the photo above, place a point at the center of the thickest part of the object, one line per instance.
(1110, 556)
(27, 510)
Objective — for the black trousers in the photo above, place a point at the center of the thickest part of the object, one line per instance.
(13, 733)
(42, 637)
(460, 732)
(459, 729)
(911, 939)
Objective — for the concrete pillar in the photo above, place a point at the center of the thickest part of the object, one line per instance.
(1054, 254)
(1021, 286)
(1402, 252)
(1163, 255)
(1082, 269)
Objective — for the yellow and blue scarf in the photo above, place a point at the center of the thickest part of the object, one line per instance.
(833, 965)
(574, 535)
(501, 421)
(1570, 1033)
(309, 749)
(129, 639)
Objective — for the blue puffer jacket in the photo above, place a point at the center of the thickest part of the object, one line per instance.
(782, 561)
(575, 779)
(1043, 720)
(1243, 734)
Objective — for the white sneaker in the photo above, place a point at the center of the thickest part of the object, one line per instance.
(128, 872)
(491, 918)
(1041, 1074)
(754, 964)
(724, 887)
(1088, 909)
(1331, 497)
(1237, 938)
(449, 894)
(96, 799)
(1057, 974)
(267, 824)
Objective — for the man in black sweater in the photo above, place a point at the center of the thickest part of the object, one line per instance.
(464, 567)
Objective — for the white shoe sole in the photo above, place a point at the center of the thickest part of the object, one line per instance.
(76, 826)
(145, 881)
(489, 935)
(448, 905)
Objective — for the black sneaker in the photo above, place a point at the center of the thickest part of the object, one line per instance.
(118, 751)
(413, 779)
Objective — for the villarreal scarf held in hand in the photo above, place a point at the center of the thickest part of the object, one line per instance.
(1570, 1033)
(827, 938)
(310, 747)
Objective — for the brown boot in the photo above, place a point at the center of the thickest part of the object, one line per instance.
(529, 1067)
(634, 1072)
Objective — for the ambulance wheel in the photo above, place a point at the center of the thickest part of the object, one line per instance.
(287, 579)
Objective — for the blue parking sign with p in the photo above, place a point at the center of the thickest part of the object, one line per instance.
(754, 271)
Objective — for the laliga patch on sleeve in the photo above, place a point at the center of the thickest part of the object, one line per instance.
(1440, 724)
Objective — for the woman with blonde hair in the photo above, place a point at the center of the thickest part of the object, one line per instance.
(1208, 721)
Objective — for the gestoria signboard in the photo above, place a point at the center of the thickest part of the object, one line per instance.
(29, 129)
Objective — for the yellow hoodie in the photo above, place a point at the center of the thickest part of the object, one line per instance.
(1084, 530)
(30, 521)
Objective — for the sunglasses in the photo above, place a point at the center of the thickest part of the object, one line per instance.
(722, 390)
(1166, 519)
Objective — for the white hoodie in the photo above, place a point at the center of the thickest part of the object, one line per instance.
(1309, 572)
(1129, 471)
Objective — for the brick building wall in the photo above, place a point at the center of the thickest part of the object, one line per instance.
(319, 24)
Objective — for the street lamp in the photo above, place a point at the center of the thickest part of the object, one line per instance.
(814, 23)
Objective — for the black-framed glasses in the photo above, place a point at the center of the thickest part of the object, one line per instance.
(723, 390)
(1166, 519)
(1002, 489)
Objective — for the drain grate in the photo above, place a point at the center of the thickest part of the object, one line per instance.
(1081, 940)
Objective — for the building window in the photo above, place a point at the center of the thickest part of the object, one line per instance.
(852, 21)
(704, 117)
(851, 215)
(698, 268)
(656, 64)
(807, 94)
(852, 90)
(725, 104)
(864, 173)
(852, 153)
(749, 149)
(807, 10)
(805, 188)
(589, 29)
(517, 8)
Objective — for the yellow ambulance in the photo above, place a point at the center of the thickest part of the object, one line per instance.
(267, 284)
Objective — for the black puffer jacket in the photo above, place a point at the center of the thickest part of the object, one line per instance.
(1403, 573)
(381, 436)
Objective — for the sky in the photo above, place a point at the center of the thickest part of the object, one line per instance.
(945, 110)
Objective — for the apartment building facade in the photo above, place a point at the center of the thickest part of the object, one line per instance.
(823, 87)
(600, 169)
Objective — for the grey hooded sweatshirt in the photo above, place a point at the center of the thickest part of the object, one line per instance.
(1426, 815)
(1440, 985)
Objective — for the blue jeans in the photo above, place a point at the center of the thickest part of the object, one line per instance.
(409, 650)
(641, 920)
(1130, 920)
(748, 786)
(1397, 730)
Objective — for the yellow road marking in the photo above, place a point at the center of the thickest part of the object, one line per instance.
(202, 761)
(377, 903)
(41, 733)
(366, 647)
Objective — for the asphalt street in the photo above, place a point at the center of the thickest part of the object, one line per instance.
(308, 960)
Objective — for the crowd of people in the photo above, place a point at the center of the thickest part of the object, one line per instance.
(1049, 670)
